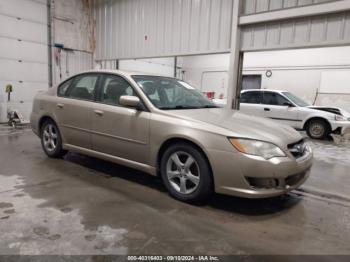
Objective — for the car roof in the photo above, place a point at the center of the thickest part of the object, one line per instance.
(121, 72)
(261, 90)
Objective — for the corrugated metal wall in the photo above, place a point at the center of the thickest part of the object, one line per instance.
(322, 30)
(152, 28)
(68, 63)
(259, 6)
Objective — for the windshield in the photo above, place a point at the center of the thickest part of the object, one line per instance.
(169, 93)
(296, 100)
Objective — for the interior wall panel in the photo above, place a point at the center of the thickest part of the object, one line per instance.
(321, 30)
(152, 28)
(23, 53)
(25, 9)
(72, 62)
(259, 6)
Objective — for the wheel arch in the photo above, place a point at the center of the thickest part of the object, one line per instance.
(42, 121)
(173, 140)
(317, 118)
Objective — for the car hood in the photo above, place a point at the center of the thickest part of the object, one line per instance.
(332, 110)
(242, 125)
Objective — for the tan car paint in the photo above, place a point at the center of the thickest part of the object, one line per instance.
(134, 138)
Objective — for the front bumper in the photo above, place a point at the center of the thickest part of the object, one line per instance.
(233, 171)
(343, 126)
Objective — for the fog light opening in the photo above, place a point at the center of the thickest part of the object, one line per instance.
(262, 183)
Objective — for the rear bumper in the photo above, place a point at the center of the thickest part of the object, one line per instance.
(232, 173)
(34, 123)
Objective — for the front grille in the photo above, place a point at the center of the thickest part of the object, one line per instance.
(297, 149)
(274, 183)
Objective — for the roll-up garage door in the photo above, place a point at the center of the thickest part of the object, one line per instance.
(23, 53)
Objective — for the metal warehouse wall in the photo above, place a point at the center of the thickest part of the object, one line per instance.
(282, 24)
(73, 26)
(68, 63)
(258, 6)
(139, 28)
(322, 30)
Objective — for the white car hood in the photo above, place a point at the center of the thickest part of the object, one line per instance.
(342, 111)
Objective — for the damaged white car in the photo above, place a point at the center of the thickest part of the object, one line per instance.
(286, 108)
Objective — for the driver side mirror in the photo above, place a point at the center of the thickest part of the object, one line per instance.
(130, 101)
(289, 104)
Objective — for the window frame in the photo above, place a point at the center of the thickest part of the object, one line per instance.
(253, 91)
(276, 93)
(74, 80)
(99, 89)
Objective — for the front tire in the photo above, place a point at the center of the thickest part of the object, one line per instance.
(186, 173)
(51, 140)
(317, 129)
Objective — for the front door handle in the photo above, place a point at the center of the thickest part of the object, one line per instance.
(98, 112)
(267, 109)
(60, 105)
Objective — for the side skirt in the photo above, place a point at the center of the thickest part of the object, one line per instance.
(118, 160)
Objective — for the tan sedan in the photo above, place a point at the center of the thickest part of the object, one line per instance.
(165, 127)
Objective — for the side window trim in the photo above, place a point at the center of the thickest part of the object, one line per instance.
(99, 87)
(77, 79)
(252, 93)
(276, 93)
(63, 83)
(263, 97)
(74, 80)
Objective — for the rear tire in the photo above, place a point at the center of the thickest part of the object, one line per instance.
(51, 140)
(317, 129)
(186, 173)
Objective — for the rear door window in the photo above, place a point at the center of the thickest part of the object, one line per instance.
(272, 98)
(62, 89)
(112, 88)
(253, 97)
(83, 87)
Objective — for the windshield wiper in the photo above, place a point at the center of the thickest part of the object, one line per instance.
(187, 107)
(178, 107)
(210, 106)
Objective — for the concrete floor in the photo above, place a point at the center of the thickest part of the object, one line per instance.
(82, 205)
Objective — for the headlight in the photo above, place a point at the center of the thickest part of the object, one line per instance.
(257, 148)
(339, 118)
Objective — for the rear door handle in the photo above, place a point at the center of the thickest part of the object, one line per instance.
(267, 109)
(98, 112)
(60, 105)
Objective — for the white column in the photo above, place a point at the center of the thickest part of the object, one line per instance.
(234, 66)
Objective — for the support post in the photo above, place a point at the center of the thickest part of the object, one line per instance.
(49, 42)
(235, 57)
(175, 66)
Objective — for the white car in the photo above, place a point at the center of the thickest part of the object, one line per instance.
(286, 108)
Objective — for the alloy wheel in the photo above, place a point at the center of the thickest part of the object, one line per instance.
(183, 172)
(50, 136)
(317, 130)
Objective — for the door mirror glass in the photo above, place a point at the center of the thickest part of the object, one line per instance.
(129, 101)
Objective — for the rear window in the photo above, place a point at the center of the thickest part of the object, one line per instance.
(62, 89)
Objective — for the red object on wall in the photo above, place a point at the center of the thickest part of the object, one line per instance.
(210, 95)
